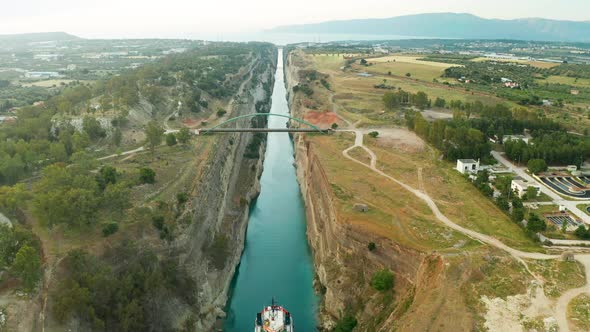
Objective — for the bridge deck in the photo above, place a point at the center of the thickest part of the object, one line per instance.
(262, 130)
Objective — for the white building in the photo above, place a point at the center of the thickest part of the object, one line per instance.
(520, 187)
(42, 74)
(465, 166)
(523, 138)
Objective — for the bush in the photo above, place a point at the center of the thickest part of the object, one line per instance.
(110, 229)
(374, 134)
(372, 246)
(382, 280)
(334, 125)
(345, 324)
(182, 198)
(170, 139)
(535, 224)
(183, 135)
(147, 175)
(221, 112)
(219, 251)
(158, 222)
(582, 232)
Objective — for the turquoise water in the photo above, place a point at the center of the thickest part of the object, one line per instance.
(276, 261)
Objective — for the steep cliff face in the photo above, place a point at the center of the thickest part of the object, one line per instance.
(211, 247)
(342, 261)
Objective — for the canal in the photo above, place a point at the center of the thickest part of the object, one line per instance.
(276, 261)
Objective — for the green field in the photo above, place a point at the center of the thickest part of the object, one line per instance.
(401, 65)
(579, 82)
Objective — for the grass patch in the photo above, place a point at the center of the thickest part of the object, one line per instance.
(584, 207)
(579, 82)
(559, 275)
(579, 312)
(393, 212)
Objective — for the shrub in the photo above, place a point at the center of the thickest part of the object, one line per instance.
(374, 134)
(183, 135)
(334, 125)
(219, 251)
(345, 324)
(158, 222)
(372, 246)
(110, 229)
(382, 280)
(147, 175)
(221, 112)
(182, 198)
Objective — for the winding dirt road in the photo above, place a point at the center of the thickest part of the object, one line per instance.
(560, 310)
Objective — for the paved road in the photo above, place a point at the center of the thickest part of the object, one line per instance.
(560, 309)
(558, 200)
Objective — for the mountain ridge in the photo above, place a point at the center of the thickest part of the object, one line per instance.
(453, 25)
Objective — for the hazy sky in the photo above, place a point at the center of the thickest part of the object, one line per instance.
(189, 18)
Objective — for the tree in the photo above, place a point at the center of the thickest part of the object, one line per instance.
(183, 135)
(537, 165)
(517, 214)
(117, 137)
(408, 75)
(146, 175)
(170, 139)
(106, 175)
(93, 128)
(363, 62)
(535, 224)
(531, 192)
(65, 196)
(421, 100)
(345, 324)
(374, 134)
(13, 197)
(439, 102)
(116, 198)
(80, 141)
(334, 126)
(582, 233)
(153, 133)
(27, 266)
(221, 112)
(382, 280)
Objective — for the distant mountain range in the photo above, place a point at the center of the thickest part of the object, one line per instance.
(38, 37)
(453, 25)
(21, 41)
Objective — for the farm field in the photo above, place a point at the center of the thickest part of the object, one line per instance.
(357, 98)
(538, 64)
(579, 82)
(402, 65)
(47, 83)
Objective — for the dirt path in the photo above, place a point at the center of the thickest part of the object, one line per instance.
(560, 310)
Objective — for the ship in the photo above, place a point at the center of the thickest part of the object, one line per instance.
(273, 318)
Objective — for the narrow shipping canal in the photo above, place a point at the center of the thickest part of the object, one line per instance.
(276, 261)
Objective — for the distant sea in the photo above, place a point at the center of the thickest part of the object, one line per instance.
(292, 38)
